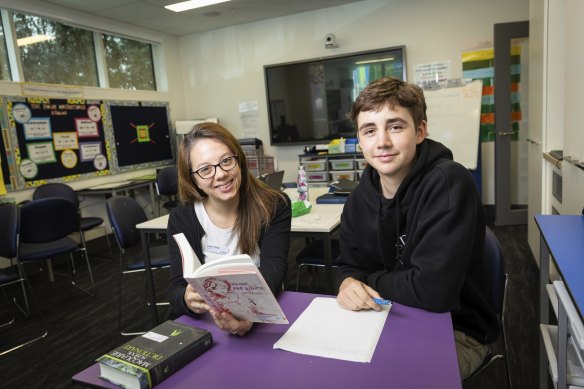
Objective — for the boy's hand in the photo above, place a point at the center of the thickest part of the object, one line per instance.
(354, 295)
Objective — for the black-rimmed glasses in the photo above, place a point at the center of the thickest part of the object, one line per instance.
(209, 171)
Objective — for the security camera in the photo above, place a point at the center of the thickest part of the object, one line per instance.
(330, 42)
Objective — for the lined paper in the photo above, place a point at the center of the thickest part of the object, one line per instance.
(325, 329)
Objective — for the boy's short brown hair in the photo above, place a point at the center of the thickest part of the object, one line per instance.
(390, 92)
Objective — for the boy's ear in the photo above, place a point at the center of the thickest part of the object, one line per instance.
(421, 132)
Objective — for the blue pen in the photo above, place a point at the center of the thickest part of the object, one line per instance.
(381, 301)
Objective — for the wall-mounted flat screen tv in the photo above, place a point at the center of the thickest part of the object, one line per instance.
(308, 101)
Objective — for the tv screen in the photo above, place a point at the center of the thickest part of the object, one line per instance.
(308, 101)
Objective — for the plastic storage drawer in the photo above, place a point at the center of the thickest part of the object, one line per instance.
(343, 174)
(342, 164)
(361, 163)
(317, 176)
(314, 165)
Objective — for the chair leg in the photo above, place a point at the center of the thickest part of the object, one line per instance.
(298, 276)
(506, 354)
(120, 303)
(50, 270)
(90, 292)
(84, 244)
(11, 311)
(107, 240)
(45, 332)
(26, 310)
(158, 304)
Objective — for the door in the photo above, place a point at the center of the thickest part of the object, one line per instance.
(511, 123)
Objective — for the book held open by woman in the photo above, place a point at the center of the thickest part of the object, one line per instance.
(233, 284)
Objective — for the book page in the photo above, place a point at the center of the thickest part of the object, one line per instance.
(235, 263)
(192, 266)
(325, 329)
(190, 261)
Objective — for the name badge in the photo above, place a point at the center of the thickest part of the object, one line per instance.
(217, 249)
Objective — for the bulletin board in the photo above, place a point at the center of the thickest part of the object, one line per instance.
(454, 116)
(140, 134)
(56, 138)
(60, 140)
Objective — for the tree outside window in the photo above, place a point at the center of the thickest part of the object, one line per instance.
(4, 64)
(129, 63)
(55, 53)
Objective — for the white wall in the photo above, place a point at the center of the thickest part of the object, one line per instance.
(556, 57)
(224, 67)
(564, 82)
(573, 177)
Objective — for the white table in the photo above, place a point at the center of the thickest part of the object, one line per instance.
(322, 221)
(116, 188)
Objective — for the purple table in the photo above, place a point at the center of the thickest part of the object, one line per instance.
(416, 350)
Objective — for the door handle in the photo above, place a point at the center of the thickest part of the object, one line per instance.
(505, 133)
(533, 141)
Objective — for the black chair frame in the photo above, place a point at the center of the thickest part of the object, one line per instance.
(45, 227)
(86, 223)
(313, 255)
(10, 225)
(124, 214)
(167, 185)
(499, 280)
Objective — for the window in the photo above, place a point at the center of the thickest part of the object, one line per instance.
(4, 64)
(54, 53)
(129, 63)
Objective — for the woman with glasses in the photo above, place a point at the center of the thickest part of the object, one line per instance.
(224, 211)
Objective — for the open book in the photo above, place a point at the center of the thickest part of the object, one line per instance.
(233, 284)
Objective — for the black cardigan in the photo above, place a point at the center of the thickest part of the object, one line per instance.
(274, 245)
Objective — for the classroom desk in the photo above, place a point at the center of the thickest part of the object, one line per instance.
(562, 237)
(116, 188)
(415, 350)
(321, 222)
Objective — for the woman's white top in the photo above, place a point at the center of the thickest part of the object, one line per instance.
(219, 242)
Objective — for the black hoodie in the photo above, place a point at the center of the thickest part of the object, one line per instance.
(423, 247)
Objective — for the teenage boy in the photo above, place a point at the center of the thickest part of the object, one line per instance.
(413, 231)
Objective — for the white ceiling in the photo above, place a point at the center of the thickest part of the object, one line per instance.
(152, 15)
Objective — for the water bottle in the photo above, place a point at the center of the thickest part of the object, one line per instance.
(302, 184)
